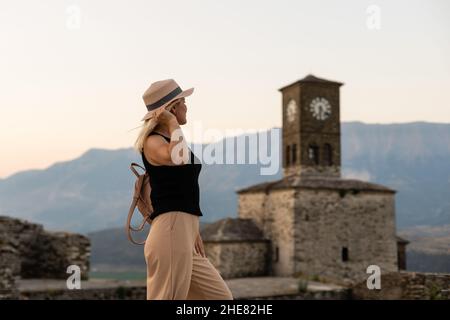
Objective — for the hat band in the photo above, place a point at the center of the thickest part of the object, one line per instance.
(164, 99)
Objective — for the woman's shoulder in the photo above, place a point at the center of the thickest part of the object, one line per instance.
(154, 141)
(159, 134)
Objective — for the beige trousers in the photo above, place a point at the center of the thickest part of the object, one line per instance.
(175, 271)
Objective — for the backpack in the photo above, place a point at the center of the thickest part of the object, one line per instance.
(141, 199)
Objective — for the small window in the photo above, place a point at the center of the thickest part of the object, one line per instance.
(327, 154)
(294, 153)
(276, 254)
(313, 154)
(344, 254)
(288, 155)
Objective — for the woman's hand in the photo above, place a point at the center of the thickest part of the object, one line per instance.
(199, 246)
(165, 117)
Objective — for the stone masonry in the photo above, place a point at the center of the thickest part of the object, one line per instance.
(239, 241)
(312, 222)
(28, 251)
(406, 285)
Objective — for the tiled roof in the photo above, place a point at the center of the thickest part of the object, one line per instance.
(232, 229)
(312, 79)
(401, 240)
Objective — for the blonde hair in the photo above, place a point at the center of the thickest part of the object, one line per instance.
(148, 127)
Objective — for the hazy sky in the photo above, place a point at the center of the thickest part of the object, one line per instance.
(72, 73)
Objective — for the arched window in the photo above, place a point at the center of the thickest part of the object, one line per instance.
(313, 153)
(327, 154)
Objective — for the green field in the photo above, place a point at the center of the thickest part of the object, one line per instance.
(119, 275)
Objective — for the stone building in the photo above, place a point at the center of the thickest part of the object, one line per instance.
(237, 248)
(316, 223)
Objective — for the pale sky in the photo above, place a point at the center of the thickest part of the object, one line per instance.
(73, 73)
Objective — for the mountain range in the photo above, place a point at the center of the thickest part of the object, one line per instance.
(93, 191)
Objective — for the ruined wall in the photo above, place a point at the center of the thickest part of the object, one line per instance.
(328, 221)
(9, 261)
(53, 252)
(21, 236)
(407, 285)
(113, 293)
(28, 251)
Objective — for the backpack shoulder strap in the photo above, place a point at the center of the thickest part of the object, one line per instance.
(133, 207)
(134, 170)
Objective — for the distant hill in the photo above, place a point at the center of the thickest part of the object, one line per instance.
(93, 192)
(413, 158)
(112, 251)
(429, 248)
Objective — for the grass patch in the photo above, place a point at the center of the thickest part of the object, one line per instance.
(118, 275)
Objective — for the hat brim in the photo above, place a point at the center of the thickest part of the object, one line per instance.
(183, 94)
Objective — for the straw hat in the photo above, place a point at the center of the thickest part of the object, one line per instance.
(160, 94)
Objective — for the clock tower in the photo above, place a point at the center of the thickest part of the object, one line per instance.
(319, 223)
(311, 128)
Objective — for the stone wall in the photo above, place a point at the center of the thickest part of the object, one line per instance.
(310, 229)
(28, 251)
(53, 252)
(252, 206)
(239, 259)
(116, 293)
(139, 293)
(401, 285)
(9, 260)
(330, 222)
(21, 236)
(273, 214)
(406, 285)
(315, 171)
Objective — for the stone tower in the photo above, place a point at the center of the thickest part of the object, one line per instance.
(320, 224)
(311, 127)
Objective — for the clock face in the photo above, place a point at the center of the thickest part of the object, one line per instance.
(291, 110)
(320, 108)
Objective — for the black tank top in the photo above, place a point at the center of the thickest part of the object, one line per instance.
(174, 188)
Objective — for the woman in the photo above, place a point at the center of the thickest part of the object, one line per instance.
(177, 266)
